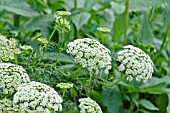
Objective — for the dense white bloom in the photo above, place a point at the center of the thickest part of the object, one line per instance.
(87, 105)
(37, 97)
(8, 49)
(135, 63)
(65, 85)
(7, 106)
(90, 54)
(11, 76)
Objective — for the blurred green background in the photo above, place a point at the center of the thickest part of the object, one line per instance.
(148, 29)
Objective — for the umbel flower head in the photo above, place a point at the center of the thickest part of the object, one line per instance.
(65, 85)
(7, 106)
(8, 49)
(87, 105)
(26, 48)
(61, 20)
(135, 63)
(11, 76)
(90, 54)
(104, 29)
(63, 13)
(42, 41)
(37, 97)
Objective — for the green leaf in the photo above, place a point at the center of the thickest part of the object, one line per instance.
(162, 102)
(148, 105)
(80, 19)
(130, 88)
(20, 7)
(155, 88)
(119, 26)
(89, 4)
(168, 107)
(168, 3)
(112, 99)
(42, 23)
(95, 95)
(144, 4)
(145, 35)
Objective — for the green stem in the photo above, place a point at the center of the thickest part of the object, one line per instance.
(64, 91)
(37, 55)
(62, 33)
(77, 71)
(45, 49)
(44, 4)
(103, 38)
(16, 20)
(115, 83)
(126, 20)
(61, 72)
(132, 105)
(164, 40)
(51, 35)
(75, 4)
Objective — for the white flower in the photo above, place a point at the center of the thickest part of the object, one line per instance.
(11, 76)
(87, 105)
(90, 54)
(135, 63)
(37, 97)
(8, 49)
(7, 106)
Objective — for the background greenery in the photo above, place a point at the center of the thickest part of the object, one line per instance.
(147, 28)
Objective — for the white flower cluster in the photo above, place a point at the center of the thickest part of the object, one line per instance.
(135, 63)
(37, 97)
(11, 76)
(8, 49)
(7, 106)
(87, 105)
(90, 54)
(65, 85)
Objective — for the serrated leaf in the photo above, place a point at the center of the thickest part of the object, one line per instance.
(148, 105)
(80, 19)
(112, 99)
(145, 35)
(144, 4)
(119, 26)
(20, 7)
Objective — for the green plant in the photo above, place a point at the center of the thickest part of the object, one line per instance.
(52, 48)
